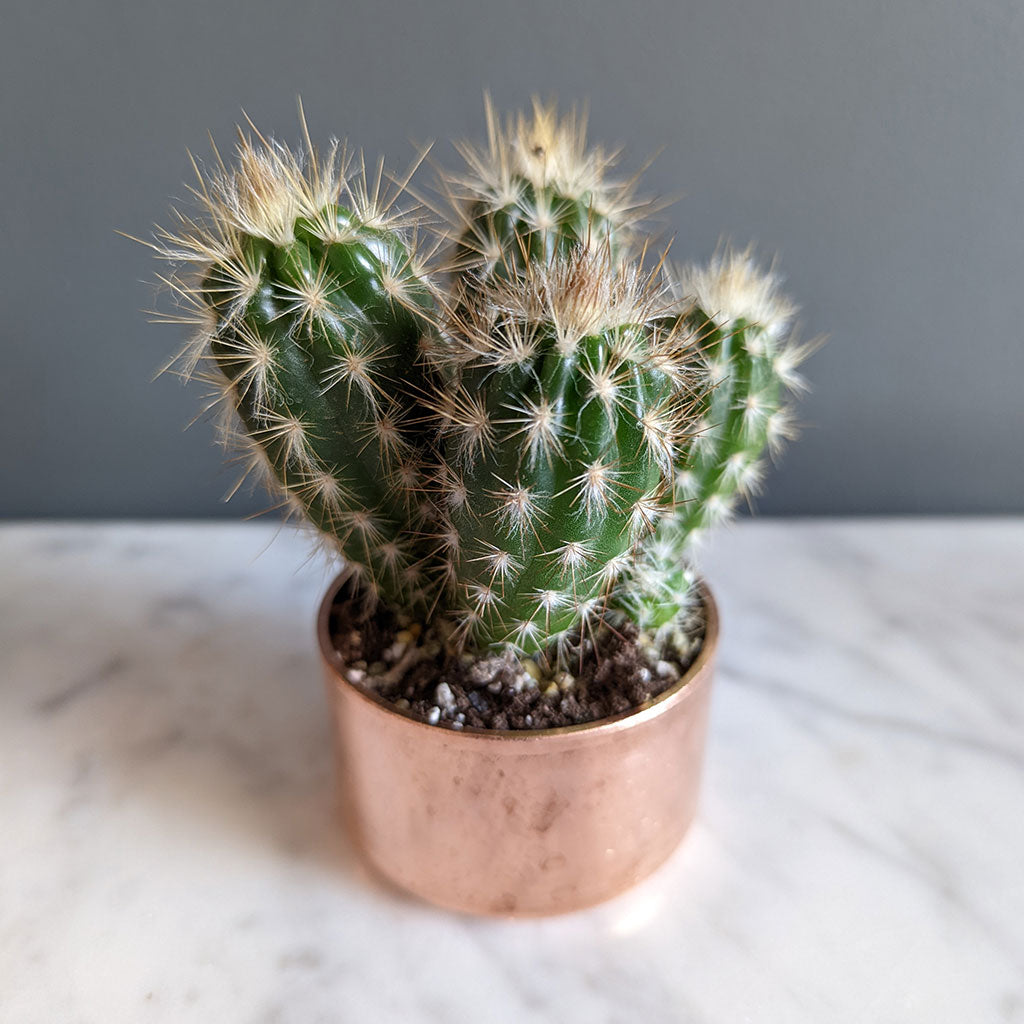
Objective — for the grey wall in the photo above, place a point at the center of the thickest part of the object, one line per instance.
(877, 146)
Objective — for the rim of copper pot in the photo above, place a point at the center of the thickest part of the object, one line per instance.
(692, 679)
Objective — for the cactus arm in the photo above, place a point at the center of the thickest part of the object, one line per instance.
(318, 361)
(534, 194)
(548, 494)
(539, 225)
(733, 431)
(722, 463)
(741, 416)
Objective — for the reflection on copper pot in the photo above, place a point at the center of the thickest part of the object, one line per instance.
(520, 822)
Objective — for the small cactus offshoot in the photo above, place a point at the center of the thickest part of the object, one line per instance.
(519, 438)
(743, 322)
(535, 193)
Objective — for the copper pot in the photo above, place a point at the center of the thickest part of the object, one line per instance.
(519, 822)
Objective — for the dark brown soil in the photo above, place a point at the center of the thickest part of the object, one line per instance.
(425, 677)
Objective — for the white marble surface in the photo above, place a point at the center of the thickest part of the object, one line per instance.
(168, 850)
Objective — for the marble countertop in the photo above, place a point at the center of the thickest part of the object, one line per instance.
(169, 850)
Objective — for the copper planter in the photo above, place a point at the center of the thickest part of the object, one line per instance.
(517, 822)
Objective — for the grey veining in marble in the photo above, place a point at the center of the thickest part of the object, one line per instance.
(169, 850)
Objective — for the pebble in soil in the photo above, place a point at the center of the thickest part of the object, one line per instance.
(421, 674)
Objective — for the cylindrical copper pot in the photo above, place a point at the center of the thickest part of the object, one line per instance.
(519, 822)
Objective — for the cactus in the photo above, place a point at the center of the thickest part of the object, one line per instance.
(535, 193)
(743, 322)
(527, 452)
(312, 312)
(562, 426)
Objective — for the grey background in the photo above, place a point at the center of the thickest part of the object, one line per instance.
(876, 146)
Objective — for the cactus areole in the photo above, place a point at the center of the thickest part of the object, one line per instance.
(512, 435)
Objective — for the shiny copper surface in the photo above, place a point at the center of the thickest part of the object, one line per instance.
(520, 822)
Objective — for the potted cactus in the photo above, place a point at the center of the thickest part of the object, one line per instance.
(511, 442)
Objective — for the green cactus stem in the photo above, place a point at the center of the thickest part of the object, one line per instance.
(560, 433)
(314, 312)
(535, 194)
(743, 322)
